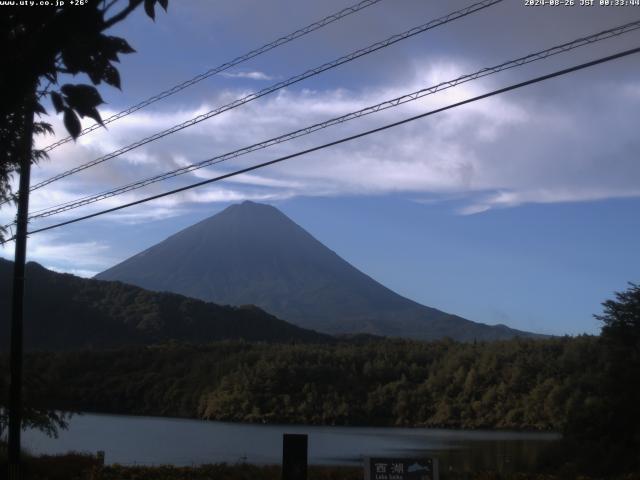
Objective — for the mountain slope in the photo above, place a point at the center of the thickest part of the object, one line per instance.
(253, 253)
(63, 311)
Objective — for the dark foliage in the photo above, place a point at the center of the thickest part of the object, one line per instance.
(609, 425)
(63, 311)
(554, 384)
(525, 384)
(621, 343)
(36, 46)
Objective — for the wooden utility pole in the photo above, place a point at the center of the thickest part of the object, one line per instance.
(294, 456)
(17, 300)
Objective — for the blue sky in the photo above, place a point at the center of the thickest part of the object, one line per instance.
(519, 210)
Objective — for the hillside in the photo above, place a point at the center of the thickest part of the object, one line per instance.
(253, 253)
(63, 311)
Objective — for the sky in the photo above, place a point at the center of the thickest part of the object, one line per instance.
(520, 209)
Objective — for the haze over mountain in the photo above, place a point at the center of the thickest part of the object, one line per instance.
(254, 254)
(63, 312)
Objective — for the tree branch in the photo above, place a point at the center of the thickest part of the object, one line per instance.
(122, 15)
(108, 5)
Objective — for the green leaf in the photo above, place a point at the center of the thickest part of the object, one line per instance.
(81, 97)
(111, 76)
(110, 47)
(39, 109)
(42, 127)
(149, 7)
(93, 113)
(75, 59)
(57, 101)
(72, 123)
(37, 155)
(121, 44)
(95, 75)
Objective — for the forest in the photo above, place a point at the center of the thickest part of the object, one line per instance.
(585, 387)
(524, 384)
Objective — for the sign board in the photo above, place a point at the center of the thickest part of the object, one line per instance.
(401, 469)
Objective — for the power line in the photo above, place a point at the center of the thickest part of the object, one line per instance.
(346, 139)
(295, 79)
(225, 66)
(600, 36)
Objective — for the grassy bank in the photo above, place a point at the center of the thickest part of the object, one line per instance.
(87, 467)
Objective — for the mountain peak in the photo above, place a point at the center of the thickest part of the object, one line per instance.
(252, 253)
(249, 226)
(251, 205)
(248, 209)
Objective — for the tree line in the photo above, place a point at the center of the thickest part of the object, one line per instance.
(523, 384)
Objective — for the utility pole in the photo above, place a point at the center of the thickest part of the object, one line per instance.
(17, 300)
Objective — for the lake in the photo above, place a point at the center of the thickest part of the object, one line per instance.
(132, 440)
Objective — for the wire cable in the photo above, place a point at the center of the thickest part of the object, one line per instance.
(292, 80)
(346, 139)
(565, 47)
(225, 66)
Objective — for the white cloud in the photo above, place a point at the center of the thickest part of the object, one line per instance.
(255, 75)
(60, 254)
(75, 271)
(504, 199)
(219, 195)
(66, 251)
(522, 146)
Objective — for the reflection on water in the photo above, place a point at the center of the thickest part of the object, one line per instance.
(149, 441)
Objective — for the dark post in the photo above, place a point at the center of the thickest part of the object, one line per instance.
(17, 307)
(294, 456)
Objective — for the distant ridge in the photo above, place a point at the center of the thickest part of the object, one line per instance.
(252, 253)
(65, 312)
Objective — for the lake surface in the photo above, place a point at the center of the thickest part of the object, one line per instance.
(151, 441)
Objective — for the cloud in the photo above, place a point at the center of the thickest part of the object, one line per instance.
(248, 75)
(632, 90)
(61, 254)
(505, 199)
(75, 271)
(497, 153)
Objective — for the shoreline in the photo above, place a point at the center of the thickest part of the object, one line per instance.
(491, 430)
